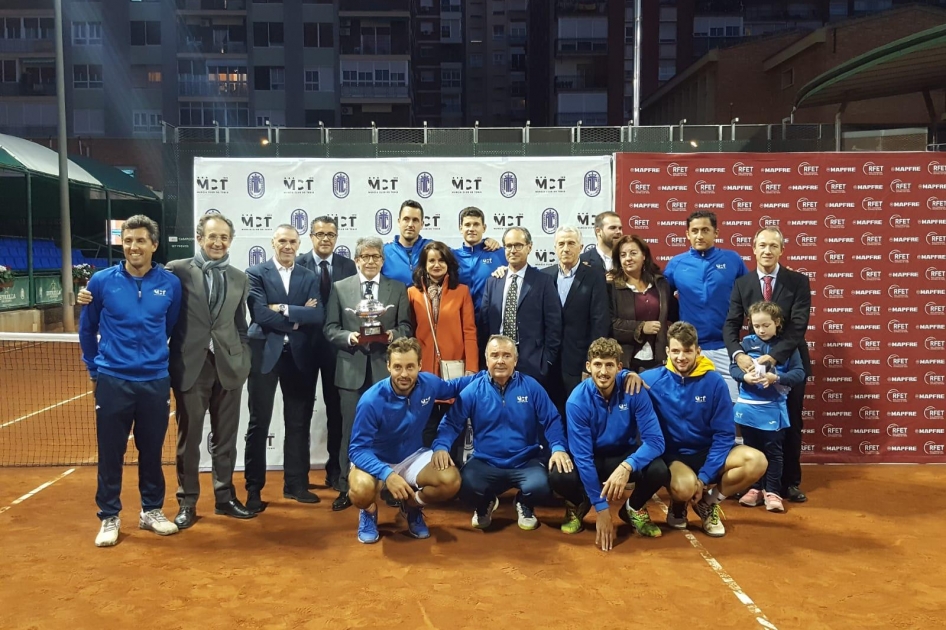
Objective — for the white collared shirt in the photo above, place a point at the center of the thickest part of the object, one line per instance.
(375, 285)
(607, 260)
(521, 274)
(284, 274)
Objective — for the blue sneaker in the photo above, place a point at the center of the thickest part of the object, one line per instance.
(416, 526)
(368, 527)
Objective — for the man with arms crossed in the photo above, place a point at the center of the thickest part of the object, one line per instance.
(792, 292)
(134, 308)
(387, 443)
(510, 414)
(607, 232)
(703, 278)
(329, 267)
(603, 426)
(359, 366)
(695, 412)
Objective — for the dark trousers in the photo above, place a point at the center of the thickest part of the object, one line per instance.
(298, 394)
(349, 400)
(122, 407)
(560, 387)
(646, 482)
(325, 366)
(482, 482)
(791, 470)
(192, 405)
(770, 443)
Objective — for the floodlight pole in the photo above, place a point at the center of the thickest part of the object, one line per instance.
(637, 62)
(65, 220)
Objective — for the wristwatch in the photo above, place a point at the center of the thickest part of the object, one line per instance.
(284, 309)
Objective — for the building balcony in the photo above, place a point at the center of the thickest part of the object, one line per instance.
(27, 46)
(581, 46)
(570, 119)
(566, 83)
(375, 90)
(374, 6)
(204, 87)
(516, 40)
(581, 7)
(211, 47)
(211, 5)
(450, 6)
(27, 89)
(374, 47)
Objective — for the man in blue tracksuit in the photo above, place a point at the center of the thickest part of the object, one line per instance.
(401, 254)
(696, 415)
(703, 278)
(603, 426)
(134, 307)
(478, 257)
(387, 448)
(510, 413)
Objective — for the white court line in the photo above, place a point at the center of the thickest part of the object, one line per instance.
(744, 599)
(36, 490)
(45, 409)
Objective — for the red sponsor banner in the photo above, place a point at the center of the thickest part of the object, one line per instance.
(869, 231)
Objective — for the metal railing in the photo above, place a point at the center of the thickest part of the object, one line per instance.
(211, 88)
(212, 47)
(579, 82)
(211, 5)
(27, 46)
(582, 45)
(27, 89)
(374, 91)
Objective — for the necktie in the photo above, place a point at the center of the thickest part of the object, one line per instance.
(767, 289)
(368, 292)
(325, 284)
(509, 310)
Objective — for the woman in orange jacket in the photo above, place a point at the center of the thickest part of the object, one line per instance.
(443, 307)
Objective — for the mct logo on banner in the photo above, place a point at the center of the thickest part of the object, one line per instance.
(364, 196)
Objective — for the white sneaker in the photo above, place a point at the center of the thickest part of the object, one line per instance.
(108, 533)
(482, 521)
(155, 521)
(712, 518)
(527, 519)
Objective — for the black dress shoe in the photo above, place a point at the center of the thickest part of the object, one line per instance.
(302, 496)
(186, 517)
(341, 503)
(795, 495)
(254, 504)
(234, 508)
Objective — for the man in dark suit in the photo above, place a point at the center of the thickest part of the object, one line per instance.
(607, 232)
(329, 267)
(358, 365)
(209, 363)
(583, 294)
(792, 292)
(284, 310)
(524, 306)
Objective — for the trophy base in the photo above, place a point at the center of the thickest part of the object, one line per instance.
(372, 334)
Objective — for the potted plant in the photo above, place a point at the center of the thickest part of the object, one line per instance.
(81, 274)
(6, 277)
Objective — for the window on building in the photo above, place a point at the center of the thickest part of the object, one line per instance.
(311, 80)
(451, 78)
(146, 121)
(426, 52)
(499, 32)
(205, 114)
(87, 76)
(517, 61)
(88, 122)
(628, 33)
(86, 33)
(499, 58)
(145, 33)
(666, 68)
(733, 31)
(667, 32)
(270, 78)
(154, 76)
(266, 34)
(476, 60)
(8, 71)
(450, 104)
(788, 78)
(314, 116)
(427, 76)
(270, 118)
(427, 28)
(318, 35)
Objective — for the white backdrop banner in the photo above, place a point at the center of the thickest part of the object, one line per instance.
(364, 195)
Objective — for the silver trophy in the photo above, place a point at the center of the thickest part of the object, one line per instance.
(369, 310)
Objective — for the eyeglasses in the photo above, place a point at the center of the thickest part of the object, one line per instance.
(223, 238)
(515, 247)
(371, 257)
(323, 235)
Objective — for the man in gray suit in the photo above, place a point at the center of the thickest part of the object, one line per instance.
(359, 366)
(209, 363)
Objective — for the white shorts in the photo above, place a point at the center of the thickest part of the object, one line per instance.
(721, 362)
(412, 465)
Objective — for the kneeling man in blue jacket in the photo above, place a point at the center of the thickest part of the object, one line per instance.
(510, 413)
(387, 449)
(695, 412)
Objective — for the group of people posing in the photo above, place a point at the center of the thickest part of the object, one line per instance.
(599, 371)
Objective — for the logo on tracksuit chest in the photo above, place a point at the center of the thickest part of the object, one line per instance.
(522, 399)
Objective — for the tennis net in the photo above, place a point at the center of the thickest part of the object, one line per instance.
(47, 406)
